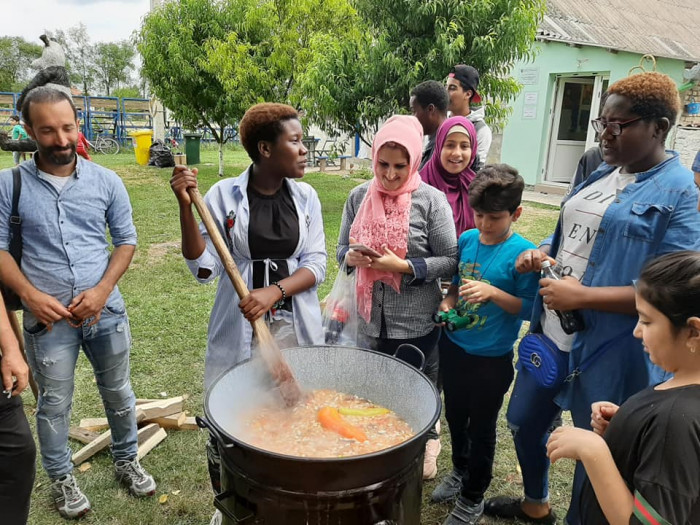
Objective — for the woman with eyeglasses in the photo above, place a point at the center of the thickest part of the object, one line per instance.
(639, 204)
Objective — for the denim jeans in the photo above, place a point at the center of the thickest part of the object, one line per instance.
(52, 356)
(531, 414)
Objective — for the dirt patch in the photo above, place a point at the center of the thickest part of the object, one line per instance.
(157, 251)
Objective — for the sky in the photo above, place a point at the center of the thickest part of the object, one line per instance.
(106, 20)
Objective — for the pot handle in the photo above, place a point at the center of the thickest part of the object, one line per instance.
(414, 349)
(218, 503)
(203, 423)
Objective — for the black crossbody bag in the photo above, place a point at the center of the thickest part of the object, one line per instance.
(12, 300)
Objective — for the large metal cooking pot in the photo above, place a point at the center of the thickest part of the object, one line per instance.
(382, 487)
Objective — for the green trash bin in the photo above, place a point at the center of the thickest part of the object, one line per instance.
(192, 142)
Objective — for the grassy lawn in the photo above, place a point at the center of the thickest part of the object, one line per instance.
(169, 312)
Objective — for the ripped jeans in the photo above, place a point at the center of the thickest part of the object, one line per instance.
(52, 357)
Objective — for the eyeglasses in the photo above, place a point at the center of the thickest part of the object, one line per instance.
(614, 128)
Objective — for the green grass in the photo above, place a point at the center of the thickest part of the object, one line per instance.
(169, 312)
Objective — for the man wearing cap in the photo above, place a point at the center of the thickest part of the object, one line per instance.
(428, 104)
(462, 84)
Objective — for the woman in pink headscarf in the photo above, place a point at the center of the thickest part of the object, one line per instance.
(409, 227)
(450, 169)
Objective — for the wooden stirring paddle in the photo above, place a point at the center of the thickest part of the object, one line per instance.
(276, 364)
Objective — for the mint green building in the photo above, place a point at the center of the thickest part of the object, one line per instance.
(549, 128)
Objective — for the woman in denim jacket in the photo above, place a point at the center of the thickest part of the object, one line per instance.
(639, 204)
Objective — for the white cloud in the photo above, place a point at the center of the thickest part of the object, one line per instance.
(106, 20)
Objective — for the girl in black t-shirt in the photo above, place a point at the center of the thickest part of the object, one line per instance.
(643, 465)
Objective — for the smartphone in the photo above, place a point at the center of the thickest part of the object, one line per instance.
(365, 250)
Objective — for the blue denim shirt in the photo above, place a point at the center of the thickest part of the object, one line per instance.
(654, 215)
(65, 235)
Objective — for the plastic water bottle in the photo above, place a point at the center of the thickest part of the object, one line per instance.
(571, 321)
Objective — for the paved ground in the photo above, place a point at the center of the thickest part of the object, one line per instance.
(542, 198)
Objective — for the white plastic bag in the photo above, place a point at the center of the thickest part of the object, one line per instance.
(340, 311)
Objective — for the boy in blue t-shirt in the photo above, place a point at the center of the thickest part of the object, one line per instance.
(476, 359)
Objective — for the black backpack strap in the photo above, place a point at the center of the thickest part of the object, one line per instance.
(15, 219)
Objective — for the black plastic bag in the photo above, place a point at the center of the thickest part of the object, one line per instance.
(160, 155)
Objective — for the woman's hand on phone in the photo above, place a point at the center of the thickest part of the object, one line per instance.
(356, 258)
(390, 262)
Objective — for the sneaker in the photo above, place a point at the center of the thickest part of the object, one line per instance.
(466, 512)
(448, 489)
(217, 518)
(432, 450)
(68, 498)
(132, 475)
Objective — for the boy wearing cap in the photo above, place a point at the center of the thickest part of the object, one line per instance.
(462, 85)
(428, 104)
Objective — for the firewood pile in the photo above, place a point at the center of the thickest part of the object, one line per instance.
(154, 417)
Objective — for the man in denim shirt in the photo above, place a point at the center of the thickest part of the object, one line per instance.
(68, 286)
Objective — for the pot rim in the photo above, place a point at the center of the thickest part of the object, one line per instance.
(220, 433)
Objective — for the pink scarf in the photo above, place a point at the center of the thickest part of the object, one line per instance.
(384, 215)
(455, 187)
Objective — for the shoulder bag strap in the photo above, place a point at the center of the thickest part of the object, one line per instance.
(15, 219)
(602, 349)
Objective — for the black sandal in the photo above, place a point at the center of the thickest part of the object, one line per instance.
(510, 508)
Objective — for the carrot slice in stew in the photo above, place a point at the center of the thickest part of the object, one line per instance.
(330, 419)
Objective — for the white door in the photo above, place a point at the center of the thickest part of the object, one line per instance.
(570, 125)
(600, 87)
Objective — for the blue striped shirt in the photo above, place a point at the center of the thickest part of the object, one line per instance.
(64, 234)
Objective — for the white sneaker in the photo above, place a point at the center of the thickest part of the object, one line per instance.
(432, 450)
(133, 476)
(217, 518)
(68, 498)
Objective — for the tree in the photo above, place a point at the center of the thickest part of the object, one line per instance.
(80, 55)
(208, 61)
(405, 42)
(113, 62)
(15, 56)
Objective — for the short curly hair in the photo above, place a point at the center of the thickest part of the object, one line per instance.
(263, 122)
(431, 92)
(496, 188)
(653, 95)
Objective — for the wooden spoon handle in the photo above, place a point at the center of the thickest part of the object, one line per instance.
(278, 367)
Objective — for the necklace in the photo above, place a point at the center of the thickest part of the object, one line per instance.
(493, 257)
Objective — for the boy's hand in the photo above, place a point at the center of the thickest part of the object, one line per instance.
(531, 261)
(601, 414)
(476, 291)
(573, 443)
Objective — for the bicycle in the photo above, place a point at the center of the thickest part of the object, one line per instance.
(105, 145)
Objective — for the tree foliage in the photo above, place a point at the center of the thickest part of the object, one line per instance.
(208, 61)
(15, 56)
(80, 56)
(358, 82)
(114, 62)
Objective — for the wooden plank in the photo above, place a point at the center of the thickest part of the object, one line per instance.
(83, 435)
(92, 448)
(189, 424)
(147, 432)
(151, 442)
(104, 440)
(174, 421)
(166, 407)
(143, 400)
(94, 423)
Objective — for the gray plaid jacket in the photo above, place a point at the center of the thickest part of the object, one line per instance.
(432, 252)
